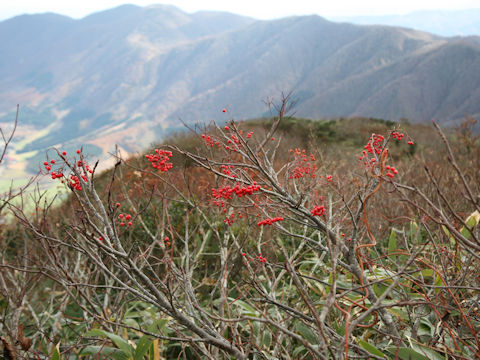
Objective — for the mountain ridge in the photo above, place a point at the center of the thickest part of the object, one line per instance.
(126, 75)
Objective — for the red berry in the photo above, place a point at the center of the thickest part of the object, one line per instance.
(224, 110)
(64, 153)
(122, 224)
(78, 151)
(117, 204)
(45, 163)
(128, 217)
(129, 223)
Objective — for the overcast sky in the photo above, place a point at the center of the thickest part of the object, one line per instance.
(255, 8)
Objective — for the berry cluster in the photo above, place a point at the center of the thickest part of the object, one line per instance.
(226, 170)
(374, 145)
(259, 258)
(125, 217)
(304, 164)
(218, 203)
(393, 171)
(399, 136)
(231, 146)
(233, 139)
(160, 159)
(318, 210)
(226, 191)
(209, 141)
(48, 168)
(270, 221)
(396, 135)
(233, 143)
(73, 181)
(229, 220)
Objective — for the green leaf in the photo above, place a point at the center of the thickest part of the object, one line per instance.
(256, 328)
(3, 303)
(427, 273)
(247, 309)
(209, 234)
(154, 350)
(267, 339)
(471, 222)
(473, 219)
(402, 314)
(432, 355)
(142, 347)
(379, 289)
(298, 350)
(105, 351)
(447, 232)
(438, 282)
(370, 348)
(392, 245)
(158, 326)
(56, 353)
(306, 332)
(280, 241)
(426, 327)
(131, 322)
(117, 340)
(407, 353)
(413, 229)
(340, 328)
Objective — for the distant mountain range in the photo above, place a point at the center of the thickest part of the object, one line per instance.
(128, 74)
(440, 22)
